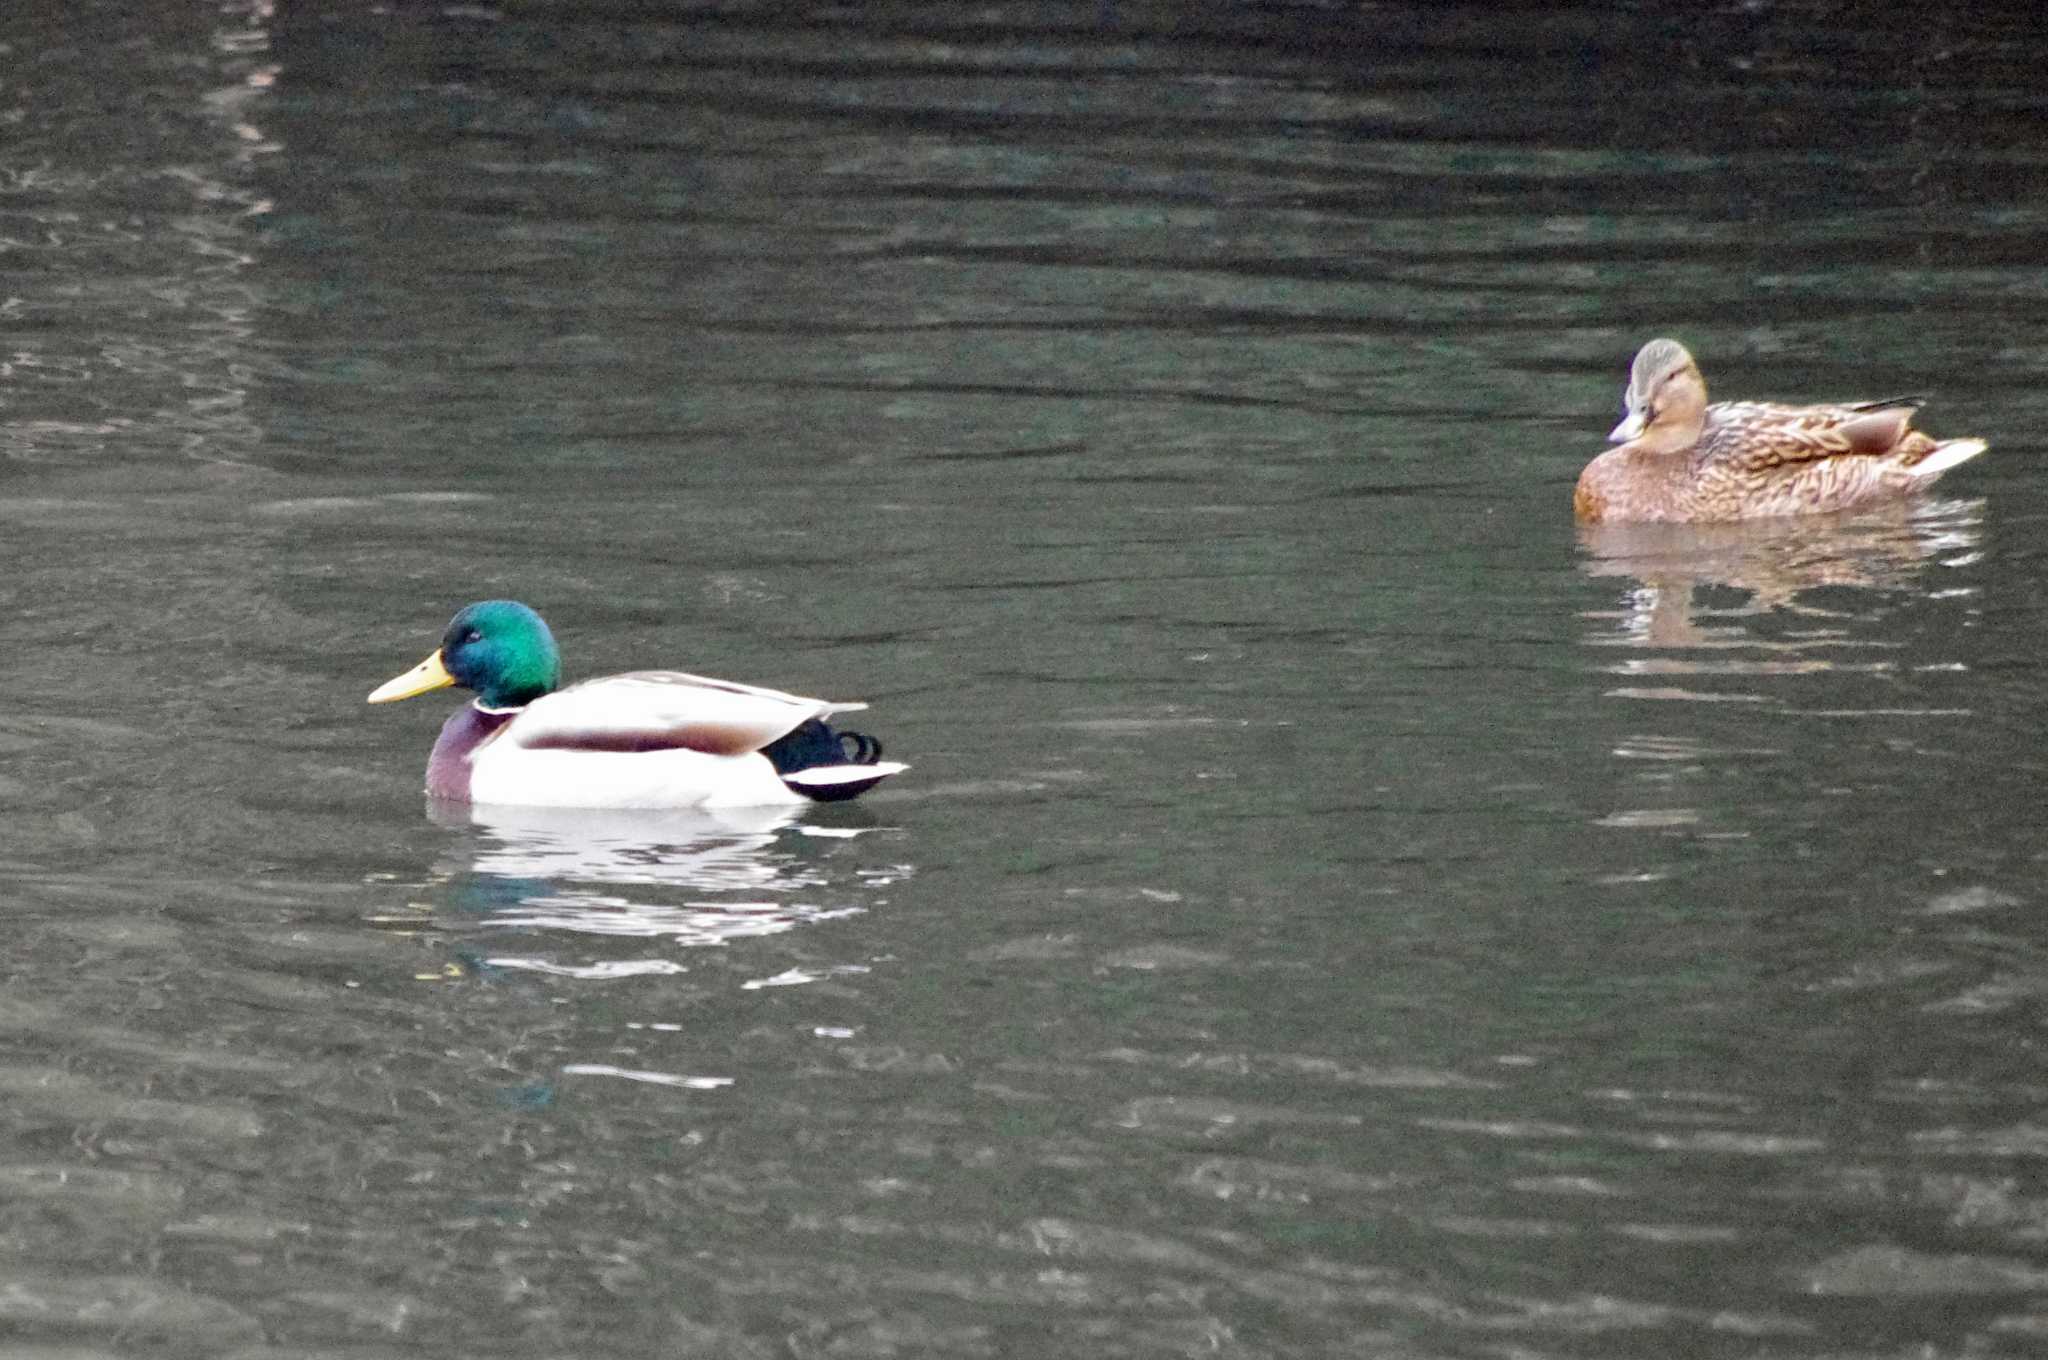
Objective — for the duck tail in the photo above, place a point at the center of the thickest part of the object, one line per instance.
(1946, 455)
(827, 765)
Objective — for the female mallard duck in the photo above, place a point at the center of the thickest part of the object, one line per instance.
(645, 739)
(1683, 461)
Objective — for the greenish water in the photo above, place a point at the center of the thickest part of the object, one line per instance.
(1336, 908)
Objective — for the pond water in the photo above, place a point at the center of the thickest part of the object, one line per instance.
(1335, 908)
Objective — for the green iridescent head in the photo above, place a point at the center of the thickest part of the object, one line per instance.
(499, 648)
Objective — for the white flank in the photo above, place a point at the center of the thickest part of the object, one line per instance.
(524, 777)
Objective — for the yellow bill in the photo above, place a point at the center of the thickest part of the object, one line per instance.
(429, 674)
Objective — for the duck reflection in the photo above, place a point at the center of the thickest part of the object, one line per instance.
(1776, 565)
(1798, 618)
(690, 878)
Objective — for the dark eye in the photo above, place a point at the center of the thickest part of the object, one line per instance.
(473, 636)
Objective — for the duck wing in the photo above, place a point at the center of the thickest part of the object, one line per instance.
(1759, 436)
(662, 711)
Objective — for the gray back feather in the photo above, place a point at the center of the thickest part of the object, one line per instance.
(1653, 361)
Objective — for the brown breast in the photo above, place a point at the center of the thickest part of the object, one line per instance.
(1587, 503)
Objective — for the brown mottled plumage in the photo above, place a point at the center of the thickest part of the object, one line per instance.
(1683, 461)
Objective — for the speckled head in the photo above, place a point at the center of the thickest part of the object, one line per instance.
(498, 648)
(1664, 385)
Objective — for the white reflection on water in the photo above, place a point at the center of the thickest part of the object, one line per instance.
(722, 850)
(684, 877)
(651, 1078)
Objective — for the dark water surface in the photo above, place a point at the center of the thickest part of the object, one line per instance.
(1336, 907)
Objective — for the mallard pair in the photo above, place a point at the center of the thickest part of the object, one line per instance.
(666, 739)
(1684, 461)
(644, 739)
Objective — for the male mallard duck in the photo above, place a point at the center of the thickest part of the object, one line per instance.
(644, 739)
(1684, 461)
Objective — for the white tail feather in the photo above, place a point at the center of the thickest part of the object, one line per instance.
(824, 776)
(1946, 456)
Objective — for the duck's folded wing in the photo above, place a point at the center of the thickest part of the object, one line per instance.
(663, 711)
(1767, 436)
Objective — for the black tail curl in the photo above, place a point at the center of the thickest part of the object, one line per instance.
(860, 748)
(812, 744)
